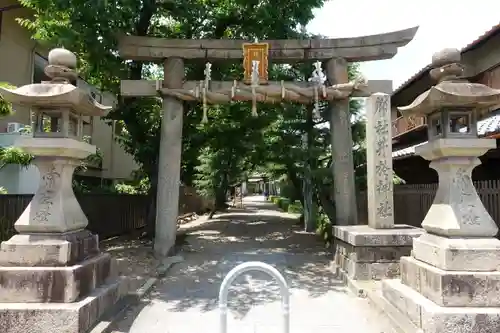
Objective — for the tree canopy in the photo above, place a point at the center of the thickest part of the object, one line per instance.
(233, 143)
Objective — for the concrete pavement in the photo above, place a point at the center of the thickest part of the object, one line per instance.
(186, 300)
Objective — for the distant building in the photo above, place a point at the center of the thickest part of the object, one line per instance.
(22, 62)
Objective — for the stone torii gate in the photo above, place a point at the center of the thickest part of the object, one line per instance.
(336, 53)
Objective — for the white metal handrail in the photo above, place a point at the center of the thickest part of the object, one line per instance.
(254, 266)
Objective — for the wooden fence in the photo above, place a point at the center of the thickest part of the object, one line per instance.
(116, 214)
(412, 202)
(108, 214)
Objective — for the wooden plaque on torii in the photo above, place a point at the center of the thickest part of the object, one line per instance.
(259, 52)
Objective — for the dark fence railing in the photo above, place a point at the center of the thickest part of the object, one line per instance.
(108, 214)
(116, 214)
(412, 202)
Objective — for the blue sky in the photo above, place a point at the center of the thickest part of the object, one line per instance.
(443, 23)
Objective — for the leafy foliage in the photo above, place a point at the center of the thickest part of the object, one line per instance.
(5, 107)
(139, 185)
(14, 155)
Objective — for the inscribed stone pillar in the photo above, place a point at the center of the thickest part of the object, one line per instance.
(372, 252)
(167, 203)
(343, 166)
(379, 162)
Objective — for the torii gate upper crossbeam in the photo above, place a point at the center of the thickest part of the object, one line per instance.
(352, 49)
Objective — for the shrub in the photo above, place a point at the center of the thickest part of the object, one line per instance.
(125, 189)
(324, 228)
(272, 198)
(283, 203)
(289, 191)
(6, 229)
(295, 208)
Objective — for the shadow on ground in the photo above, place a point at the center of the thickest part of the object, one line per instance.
(186, 300)
(133, 258)
(259, 233)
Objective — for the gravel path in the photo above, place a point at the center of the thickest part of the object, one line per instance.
(186, 300)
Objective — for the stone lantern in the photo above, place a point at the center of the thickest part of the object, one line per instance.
(451, 108)
(54, 259)
(451, 280)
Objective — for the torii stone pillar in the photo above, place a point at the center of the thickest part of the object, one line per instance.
(343, 165)
(169, 164)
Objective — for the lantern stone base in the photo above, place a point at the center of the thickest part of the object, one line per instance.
(427, 316)
(448, 292)
(458, 254)
(77, 317)
(365, 253)
(451, 288)
(55, 283)
(49, 249)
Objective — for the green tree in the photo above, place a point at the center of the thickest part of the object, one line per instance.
(75, 25)
(286, 154)
(232, 138)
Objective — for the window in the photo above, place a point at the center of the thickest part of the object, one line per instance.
(459, 123)
(1, 20)
(38, 69)
(435, 125)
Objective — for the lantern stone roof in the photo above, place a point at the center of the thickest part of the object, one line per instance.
(451, 90)
(55, 95)
(58, 93)
(452, 94)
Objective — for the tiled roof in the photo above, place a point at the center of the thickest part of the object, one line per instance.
(411, 79)
(468, 47)
(493, 30)
(485, 127)
(489, 125)
(409, 151)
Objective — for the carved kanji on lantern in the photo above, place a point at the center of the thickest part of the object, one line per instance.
(259, 52)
